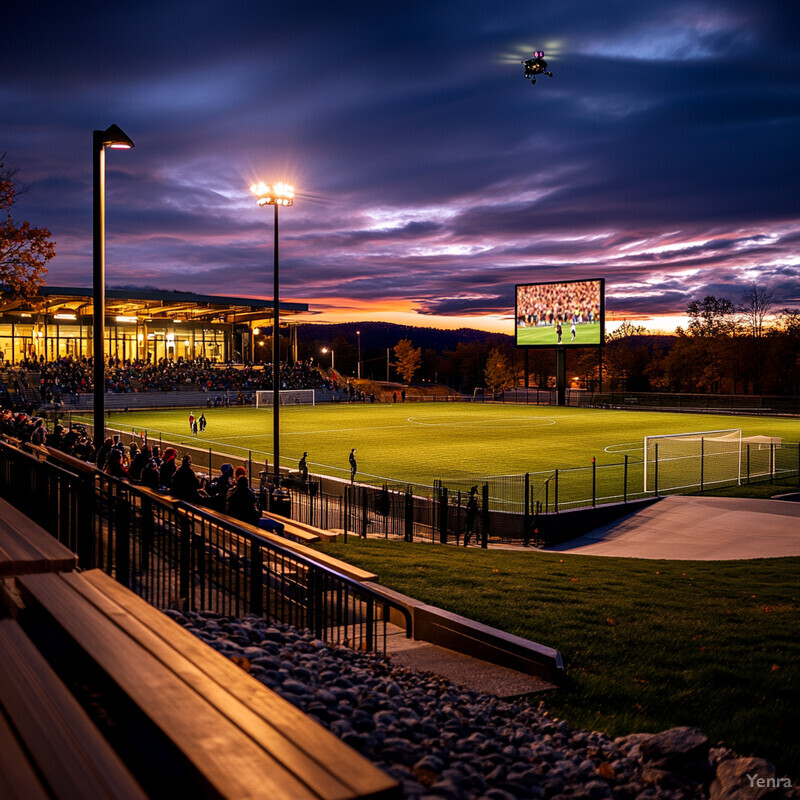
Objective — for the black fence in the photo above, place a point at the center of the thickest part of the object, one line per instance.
(177, 555)
(508, 505)
(711, 403)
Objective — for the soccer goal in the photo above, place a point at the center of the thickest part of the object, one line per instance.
(287, 397)
(692, 460)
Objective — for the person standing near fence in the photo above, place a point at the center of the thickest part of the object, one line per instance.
(303, 467)
(203, 422)
(191, 422)
(353, 465)
(472, 514)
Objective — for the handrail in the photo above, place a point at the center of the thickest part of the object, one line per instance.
(165, 547)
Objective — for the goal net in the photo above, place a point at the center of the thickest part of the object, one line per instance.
(692, 460)
(287, 397)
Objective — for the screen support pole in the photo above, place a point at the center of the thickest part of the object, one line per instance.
(526, 374)
(561, 375)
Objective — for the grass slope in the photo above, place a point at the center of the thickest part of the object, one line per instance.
(420, 442)
(647, 644)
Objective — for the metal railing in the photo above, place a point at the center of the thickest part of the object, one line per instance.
(176, 555)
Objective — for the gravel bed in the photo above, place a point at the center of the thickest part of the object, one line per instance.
(444, 742)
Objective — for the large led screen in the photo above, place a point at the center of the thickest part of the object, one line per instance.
(565, 314)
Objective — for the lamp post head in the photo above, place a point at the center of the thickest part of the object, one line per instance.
(279, 194)
(324, 349)
(113, 137)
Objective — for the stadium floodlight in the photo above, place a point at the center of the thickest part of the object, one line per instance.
(275, 195)
(330, 350)
(113, 138)
(358, 336)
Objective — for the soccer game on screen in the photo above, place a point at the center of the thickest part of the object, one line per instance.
(560, 314)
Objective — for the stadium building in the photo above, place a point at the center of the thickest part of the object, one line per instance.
(142, 324)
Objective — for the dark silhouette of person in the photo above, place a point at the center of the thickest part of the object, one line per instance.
(241, 502)
(202, 422)
(558, 332)
(185, 484)
(303, 467)
(353, 465)
(472, 514)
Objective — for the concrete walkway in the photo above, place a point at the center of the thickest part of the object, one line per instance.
(472, 673)
(697, 528)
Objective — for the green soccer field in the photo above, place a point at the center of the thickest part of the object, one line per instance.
(585, 334)
(454, 442)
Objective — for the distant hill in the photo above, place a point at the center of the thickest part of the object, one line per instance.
(380, 335)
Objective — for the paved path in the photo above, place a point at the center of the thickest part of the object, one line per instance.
(472, 673)
(698, 528)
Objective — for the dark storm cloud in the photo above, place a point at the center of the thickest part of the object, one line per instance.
(660, 156)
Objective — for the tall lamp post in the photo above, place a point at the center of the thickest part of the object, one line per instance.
(330, 350)
(277, 195)
(358, 336)
(114, 138)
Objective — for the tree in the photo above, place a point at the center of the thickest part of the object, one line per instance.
(408, 358)
(711, 317)
(24, 250)
(755, 304)
(498, 373)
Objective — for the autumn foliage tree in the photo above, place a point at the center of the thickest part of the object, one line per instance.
(499, 374)
(408, 359)
(24, 250)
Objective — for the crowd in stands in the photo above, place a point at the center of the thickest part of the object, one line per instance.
(165, 471)
(73, 376)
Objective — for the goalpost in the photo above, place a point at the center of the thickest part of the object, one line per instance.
(286, 397)
(689, 460)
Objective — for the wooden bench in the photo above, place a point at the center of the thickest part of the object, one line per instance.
(186, 720)
(49, 747)
(25, 547)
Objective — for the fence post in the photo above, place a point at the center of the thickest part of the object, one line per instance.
(547, 496)
(702, 463)
(85, 520)
(485, 517)
(772, 462)
(364, 511)
(122, 554)
(344, 503)
(526, 517)
(655, 470)
(594, 483)
(442, 515)
(555, 492)
(256, 578)
(209, 463)
(748, 463)
(408, 520)
(250, 467)
(184, 565)
(798, 463)
(625, 482)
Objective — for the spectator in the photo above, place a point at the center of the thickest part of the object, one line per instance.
(139, 462)
(114, 466)
(184, 483)
(221, 487)
(150, 474)
(167, 469)
(241, 502)
(102, 453)
(39, 432)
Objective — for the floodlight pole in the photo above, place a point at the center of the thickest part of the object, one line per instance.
(276, 359)
(280, 194)
(115, 138)
(358, 336)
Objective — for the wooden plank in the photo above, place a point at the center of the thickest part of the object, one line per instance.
(314, 754)
(70, 754)
(18, 781)
(229, 760)
(27, 547)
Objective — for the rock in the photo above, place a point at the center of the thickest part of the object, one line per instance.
(675, 749)
(749, 779)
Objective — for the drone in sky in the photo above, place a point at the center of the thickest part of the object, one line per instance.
(536, 66)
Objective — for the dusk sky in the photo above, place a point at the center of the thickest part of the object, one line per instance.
(430, 176)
